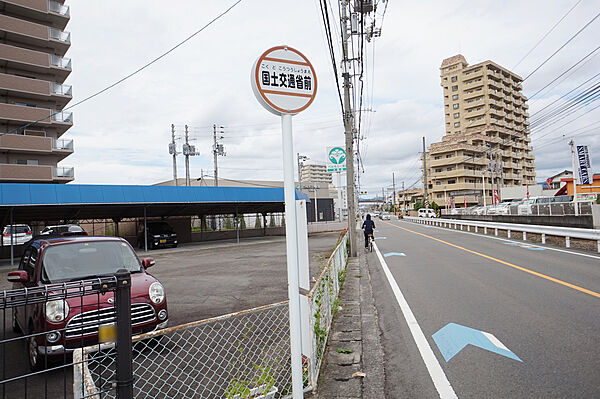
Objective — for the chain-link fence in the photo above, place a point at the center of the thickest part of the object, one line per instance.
(235, 356)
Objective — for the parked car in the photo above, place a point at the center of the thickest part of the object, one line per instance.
(21, 234)
(159, 234)
(385, 216)
(427, 213)
(63, 230)
(61, 325)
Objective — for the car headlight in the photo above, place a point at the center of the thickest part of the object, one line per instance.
(156, 293)
(57, 310)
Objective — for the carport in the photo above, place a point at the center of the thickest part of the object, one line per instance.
(21, 203)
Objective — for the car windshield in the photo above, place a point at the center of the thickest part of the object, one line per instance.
(160, 228)
(79, 260)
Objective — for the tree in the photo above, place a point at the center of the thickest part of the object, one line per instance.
(228, 225)
(257, 222)
(242, 222)
(272, 221)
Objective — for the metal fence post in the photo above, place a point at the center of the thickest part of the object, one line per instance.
(124, 350)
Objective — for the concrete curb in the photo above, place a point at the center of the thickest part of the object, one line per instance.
(353, 362)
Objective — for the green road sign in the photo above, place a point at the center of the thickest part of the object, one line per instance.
(336, 159)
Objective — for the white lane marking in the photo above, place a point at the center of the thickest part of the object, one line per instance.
(510, 241)
(436, 372)
(495, 340)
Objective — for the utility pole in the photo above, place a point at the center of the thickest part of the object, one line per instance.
(575, 173)
(217, 150)
(187, 157)
(348, 131)
(403, 200)
(394, 197)
(425, 175)
(173, 151)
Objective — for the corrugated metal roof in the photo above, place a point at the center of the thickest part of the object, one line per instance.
(16, 194)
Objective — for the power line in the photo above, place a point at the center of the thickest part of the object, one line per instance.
(561, 47)
(564, 95)
(566, 71)
(137, 70)
(546, 35)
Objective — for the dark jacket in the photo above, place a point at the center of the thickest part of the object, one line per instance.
(368, 225)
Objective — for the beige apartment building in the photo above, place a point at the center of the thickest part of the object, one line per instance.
(486, 134)
(315, 174)
(33, 69)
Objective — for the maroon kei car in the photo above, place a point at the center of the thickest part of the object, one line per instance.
(62, 325)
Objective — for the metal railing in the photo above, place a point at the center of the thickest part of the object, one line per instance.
(63, 172)
(59, 35)
(58, 8)
(567, 232)
(62, 116)
(239, 355)
(63, 90)
(542, 209)
(35, 354)
(60, 62)
(62, 144)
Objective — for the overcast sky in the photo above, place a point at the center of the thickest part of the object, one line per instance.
(122, 136)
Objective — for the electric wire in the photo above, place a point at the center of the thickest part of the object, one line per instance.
(136, 71)
(546, 35)
(563, 96)
(561, 47)
(565, 72)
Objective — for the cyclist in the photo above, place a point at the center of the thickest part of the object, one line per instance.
(368, 226)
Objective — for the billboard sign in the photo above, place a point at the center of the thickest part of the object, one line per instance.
(584, 165)
(336, 159)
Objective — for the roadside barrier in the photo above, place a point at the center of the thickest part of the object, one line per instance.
(239, 355)
(567, 233)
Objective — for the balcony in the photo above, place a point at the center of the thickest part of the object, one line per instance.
(61, 90)
(27, 88)
(48, 11)
(63, 173)
(35, 34)
(26, 173)
(35, 61)
(60, 9)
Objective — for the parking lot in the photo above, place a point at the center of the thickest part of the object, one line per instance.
(201, 280)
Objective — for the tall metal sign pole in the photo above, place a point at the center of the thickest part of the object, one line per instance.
(285, 83)
(575, 176)
(426, 199)
(336, 162)
(349, 133)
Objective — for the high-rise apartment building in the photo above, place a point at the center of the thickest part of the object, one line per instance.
(486, 134)
(315, 174)
(33, 69)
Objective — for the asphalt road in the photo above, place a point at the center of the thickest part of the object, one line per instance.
(541, 304)
(201, 280)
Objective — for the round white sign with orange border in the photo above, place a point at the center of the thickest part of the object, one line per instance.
(284, 81)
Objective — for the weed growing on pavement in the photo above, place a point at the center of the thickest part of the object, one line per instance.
(344, 351)
(358, 275)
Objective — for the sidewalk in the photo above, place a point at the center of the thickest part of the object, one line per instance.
(353, 363)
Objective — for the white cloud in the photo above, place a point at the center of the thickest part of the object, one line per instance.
(121, 136)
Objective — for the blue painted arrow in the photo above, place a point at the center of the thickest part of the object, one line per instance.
(380, 238)
(394, 254)
(452, 338)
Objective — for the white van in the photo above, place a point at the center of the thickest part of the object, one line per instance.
(427, 213)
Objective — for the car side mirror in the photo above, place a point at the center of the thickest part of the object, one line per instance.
(148, 262)
(18, 276)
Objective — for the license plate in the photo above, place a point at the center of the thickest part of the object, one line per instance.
(163, 241)
(107, 333)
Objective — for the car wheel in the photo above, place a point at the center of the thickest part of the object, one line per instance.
(35, 360)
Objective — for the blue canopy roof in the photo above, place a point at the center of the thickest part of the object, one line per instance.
(79, 201)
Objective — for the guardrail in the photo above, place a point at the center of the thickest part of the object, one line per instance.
(567, 232)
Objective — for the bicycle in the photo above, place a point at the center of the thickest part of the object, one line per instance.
(371, 240)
